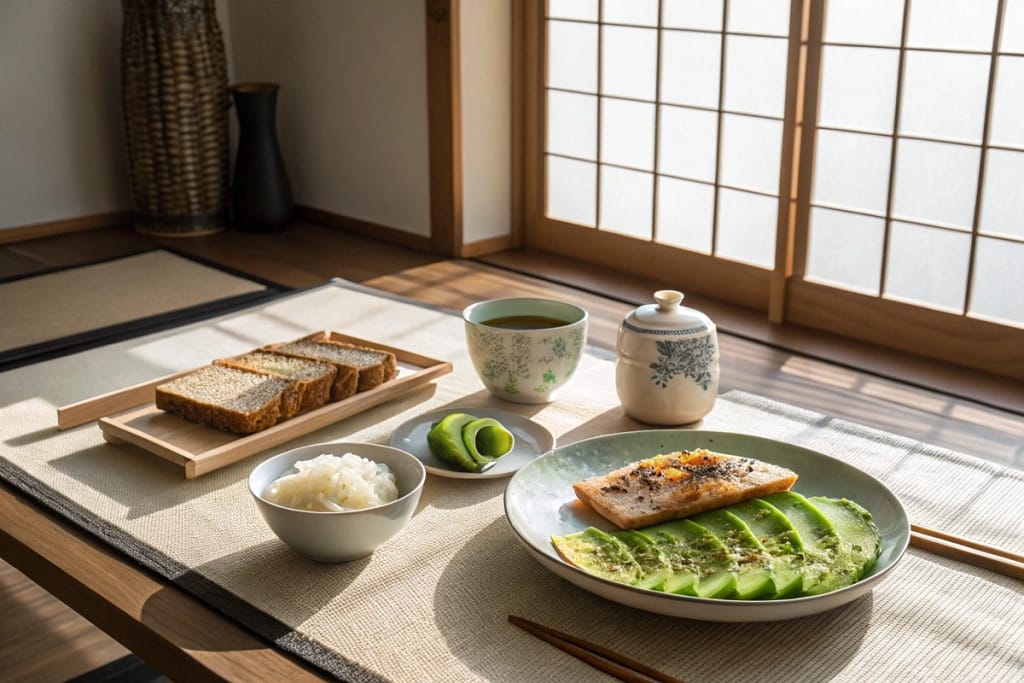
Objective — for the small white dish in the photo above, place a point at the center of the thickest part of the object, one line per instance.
(540, 503)
(531, 441)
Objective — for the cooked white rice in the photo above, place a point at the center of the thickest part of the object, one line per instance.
(329, 483)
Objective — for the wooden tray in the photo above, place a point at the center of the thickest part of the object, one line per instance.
(199, 449)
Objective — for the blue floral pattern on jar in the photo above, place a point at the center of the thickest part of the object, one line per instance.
(690, 358)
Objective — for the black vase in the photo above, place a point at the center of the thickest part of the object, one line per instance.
(261, 195)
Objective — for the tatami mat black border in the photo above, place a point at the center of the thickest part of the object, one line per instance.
(62, 346)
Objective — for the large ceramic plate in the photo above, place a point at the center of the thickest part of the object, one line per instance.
(540, 503)
(531, 440)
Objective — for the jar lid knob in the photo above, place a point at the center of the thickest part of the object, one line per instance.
(668, 300)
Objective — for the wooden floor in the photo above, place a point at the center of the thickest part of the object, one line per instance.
(948, 406)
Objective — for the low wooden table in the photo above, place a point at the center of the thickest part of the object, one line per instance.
(172, 631)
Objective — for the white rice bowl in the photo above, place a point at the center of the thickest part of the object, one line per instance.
(331, 483)
(338, 474)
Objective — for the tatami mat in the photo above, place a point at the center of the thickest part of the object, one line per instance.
(74, 303)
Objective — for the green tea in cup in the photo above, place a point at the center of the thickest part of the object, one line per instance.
(524, 322)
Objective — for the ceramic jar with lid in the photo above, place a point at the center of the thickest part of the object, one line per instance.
(667, 368)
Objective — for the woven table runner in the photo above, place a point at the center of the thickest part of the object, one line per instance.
(74, 302)
(432, 603)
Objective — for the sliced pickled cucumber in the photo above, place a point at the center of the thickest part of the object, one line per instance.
(486, 439)
(446, 442)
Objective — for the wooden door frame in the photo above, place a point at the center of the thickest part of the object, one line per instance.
(784, 294)
(444, 120)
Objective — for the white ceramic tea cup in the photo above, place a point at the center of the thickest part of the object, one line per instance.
(524, 349)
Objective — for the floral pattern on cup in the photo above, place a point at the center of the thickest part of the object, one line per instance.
(517, 365)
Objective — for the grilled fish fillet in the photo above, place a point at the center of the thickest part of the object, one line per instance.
(675, 485)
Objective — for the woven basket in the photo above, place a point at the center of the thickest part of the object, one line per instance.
(175, 98)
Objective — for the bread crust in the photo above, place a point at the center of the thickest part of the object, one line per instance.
(388, 366)
(314, 389)
(218, 417)
(352, 377)
(185, 398)
(676, 485)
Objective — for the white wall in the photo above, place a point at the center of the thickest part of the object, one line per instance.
(352, 110)
(486, 63)
(61, 135)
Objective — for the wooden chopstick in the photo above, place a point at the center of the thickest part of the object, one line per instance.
(990, 549)
(965, 550)
(601, 658)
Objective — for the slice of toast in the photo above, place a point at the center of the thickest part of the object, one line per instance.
(371, 367)
(675, 485)
(229, 399)
(314, 378)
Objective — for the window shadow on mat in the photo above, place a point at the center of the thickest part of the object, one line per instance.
(157, 484)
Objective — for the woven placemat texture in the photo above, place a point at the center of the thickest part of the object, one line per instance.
(77, 300)
(431, 604)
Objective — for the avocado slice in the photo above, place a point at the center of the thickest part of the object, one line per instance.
(598, 553)
(753, 563)
(820, 540)
(776, 533)
(445, 441)
(654, 566)
(780, 546)
(860, 540)
(486, 439)
(698, 561)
